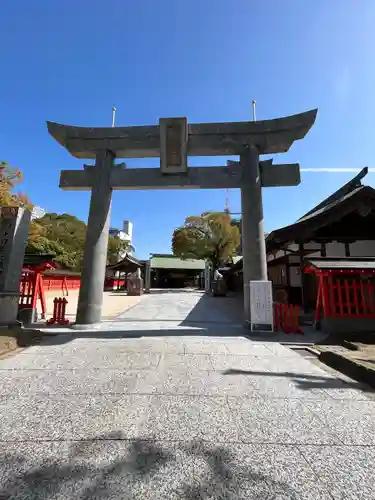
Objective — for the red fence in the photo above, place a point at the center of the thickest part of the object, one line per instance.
(63, 283)
(32, 289)
(286, 318)
(33, 286)
(345, 297)
(114, 283)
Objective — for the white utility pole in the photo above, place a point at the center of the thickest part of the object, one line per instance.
(113, 116)
(254, 111)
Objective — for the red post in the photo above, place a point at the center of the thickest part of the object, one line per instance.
(339, 296)
(286, 320)
(370, 291)
(356, 303)
(332, 303)
(275, 316)
(54, 314)
(363, 297)
(347, 294)
(59, 309)
(319, 299)
(325, 295)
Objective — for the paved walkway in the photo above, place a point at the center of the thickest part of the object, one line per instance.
(126, 413)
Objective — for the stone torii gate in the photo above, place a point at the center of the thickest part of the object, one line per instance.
(174, 141)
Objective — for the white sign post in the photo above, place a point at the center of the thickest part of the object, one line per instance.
(261, 306)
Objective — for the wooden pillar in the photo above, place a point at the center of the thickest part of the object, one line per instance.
(347, 249)
(303, 280)
(323, 249)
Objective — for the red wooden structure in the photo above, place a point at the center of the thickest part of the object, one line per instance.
(61, 282)
(114, 284)
(59, 309)
(32, 283)
(32, 290)
(286, 318)
(346, 287)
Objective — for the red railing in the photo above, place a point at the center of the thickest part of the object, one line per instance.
(33, 286)
(63, 283)
(344, 293)
(32, 289)
(286, 318)
(345, 297)
(59, 311)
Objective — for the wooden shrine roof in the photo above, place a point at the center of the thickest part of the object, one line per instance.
(350, 198)
(32, 259)
(127, 264)
(341, 263)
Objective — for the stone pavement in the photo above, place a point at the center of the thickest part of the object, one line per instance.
(155, 406)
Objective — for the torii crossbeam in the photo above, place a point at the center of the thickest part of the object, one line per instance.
(174, 141)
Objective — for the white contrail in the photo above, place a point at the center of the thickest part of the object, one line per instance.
(335, 170)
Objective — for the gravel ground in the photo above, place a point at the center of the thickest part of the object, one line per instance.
(170, 401)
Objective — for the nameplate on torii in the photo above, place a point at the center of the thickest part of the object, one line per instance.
(219, 177)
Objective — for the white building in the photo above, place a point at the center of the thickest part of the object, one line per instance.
(37, 213)
(126, 234)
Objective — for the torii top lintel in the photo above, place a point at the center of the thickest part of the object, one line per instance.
(204, 139)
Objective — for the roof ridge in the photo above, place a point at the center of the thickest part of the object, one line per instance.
(344, 190)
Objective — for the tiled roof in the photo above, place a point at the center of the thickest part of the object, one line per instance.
(171, 262)
(343, 263)
(333, 206)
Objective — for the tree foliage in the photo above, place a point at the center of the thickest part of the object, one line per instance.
(61, 235)
(210, 236)
(10, 177)
(64, 237)
(116, 248)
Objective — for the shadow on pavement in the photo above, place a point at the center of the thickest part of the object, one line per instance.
(211, 309)
(206, 331)
(210, 316)
(304, 381)
(109, 467)
(160, 291)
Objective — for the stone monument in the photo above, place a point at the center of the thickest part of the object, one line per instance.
(134, 283)
(14, 231)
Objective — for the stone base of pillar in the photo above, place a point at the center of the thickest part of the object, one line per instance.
(259, 329)
(94, 326)
(15, 336)
(9, 309)
(135, 286)
(219, 288)
(28, 316)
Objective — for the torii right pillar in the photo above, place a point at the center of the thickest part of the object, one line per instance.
(254, 258)
(257, 174)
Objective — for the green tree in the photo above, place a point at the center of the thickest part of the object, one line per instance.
(63, 236)
(116, 248)
(10, 177)
(210, 236)
(60, 235)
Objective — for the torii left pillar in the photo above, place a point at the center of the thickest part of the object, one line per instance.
(90, 299)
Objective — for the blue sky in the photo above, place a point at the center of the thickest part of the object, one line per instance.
(71, 61)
